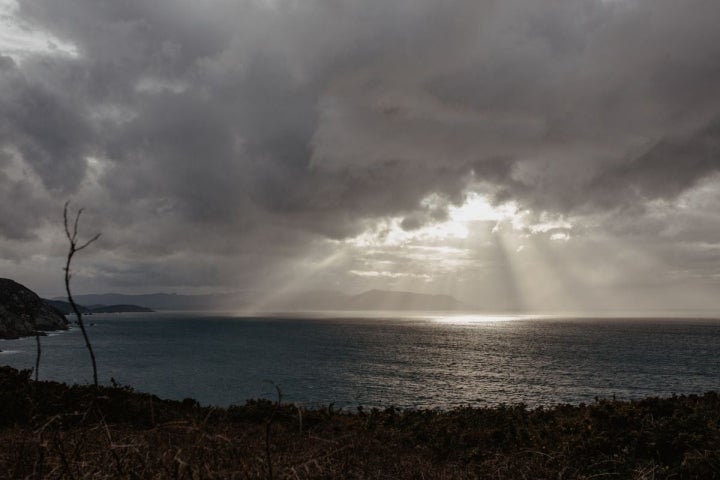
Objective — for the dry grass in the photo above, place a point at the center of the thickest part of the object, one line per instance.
(50, 430)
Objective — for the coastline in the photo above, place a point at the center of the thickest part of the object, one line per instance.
(53, 428)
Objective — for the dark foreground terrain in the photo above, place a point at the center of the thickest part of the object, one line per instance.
(51, 430)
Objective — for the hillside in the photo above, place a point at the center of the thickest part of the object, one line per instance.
(22, 312)
(52, 430)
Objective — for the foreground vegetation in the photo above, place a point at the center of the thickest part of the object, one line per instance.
(51, 430)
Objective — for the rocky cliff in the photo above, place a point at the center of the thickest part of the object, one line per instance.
(22, 312)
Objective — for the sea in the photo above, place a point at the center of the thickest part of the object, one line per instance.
(381, 360)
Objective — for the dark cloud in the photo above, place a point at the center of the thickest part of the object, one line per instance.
(667, 169)
(260, 129)
(50, 134)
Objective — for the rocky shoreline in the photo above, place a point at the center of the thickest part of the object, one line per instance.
(24, 313)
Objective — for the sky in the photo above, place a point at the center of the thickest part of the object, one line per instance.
(524, 155)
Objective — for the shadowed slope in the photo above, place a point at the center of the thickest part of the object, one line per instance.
(22, 312)
(51, 429)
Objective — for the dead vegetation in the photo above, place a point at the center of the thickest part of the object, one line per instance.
(51, 430)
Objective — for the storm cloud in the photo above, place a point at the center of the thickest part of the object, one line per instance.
(222, 144)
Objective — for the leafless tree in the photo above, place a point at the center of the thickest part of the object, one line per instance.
(72, 235)
(37, 356)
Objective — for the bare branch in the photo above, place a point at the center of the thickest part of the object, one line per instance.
(77, 249)
(72, 250)
(65, 221)
(77, 220)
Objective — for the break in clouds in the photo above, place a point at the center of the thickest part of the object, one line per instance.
(515, 153)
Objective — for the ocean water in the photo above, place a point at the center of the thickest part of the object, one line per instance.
(412, 362)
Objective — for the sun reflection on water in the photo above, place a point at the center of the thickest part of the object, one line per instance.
(477, 318)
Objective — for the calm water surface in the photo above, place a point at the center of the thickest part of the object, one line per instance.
(408, 362)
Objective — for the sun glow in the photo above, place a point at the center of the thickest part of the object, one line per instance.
(469, 251)
(476, 251)
(456, 225)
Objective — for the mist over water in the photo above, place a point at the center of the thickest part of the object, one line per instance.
(415, 362)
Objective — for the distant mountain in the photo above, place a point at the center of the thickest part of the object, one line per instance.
(120, 309)
(161, 301)
(66, 308)
(22, 312)
(372, 300)
(312, 300)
